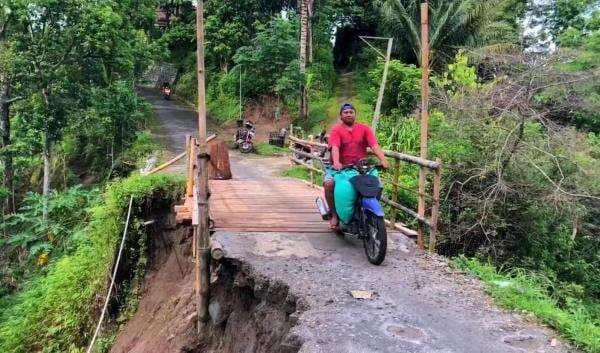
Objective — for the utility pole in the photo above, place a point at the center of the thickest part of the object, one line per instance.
(386, 57)
(202, 235)
(424, 112)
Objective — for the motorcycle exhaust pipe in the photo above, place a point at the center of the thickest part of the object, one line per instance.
(323, 208)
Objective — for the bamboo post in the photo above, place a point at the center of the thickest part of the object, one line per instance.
(377, 113)
(189, 188)
(435, 208)
(424, 112)
(202, 233)
(395, 189)
(312, 173)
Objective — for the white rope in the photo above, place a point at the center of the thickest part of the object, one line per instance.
(112, 282)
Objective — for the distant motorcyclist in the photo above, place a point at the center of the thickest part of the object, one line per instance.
(348, 141)
(166, 90)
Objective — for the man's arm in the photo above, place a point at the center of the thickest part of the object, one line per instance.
(372, 142)
(334, 143)
(335, 158)
(379, 153)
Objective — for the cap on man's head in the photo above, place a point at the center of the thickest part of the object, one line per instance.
(346, 106)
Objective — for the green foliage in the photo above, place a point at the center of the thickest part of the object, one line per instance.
(230, 24)
(139, 151)
(453, 24)
(56, 311)
(526, 291)
(402, 90)
(571, 37)
(270, 63)
(459, 74)
(34, 242)
(299, 172)
(567, 14)
(265, 149)
(111, 123)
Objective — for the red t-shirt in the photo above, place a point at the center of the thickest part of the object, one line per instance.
(353, 143)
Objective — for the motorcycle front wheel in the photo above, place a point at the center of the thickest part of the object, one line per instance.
(375, 241)
(246, 147)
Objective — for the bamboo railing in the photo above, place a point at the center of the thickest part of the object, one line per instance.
(425, 220)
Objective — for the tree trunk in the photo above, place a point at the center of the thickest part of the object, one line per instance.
(47, 161)
(303, 46)
(309, 31)
(5, 146)
(46, 181)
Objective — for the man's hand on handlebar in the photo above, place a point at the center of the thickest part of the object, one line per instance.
(384, 164)
(337, 166)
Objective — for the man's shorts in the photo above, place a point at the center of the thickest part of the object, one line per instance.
(327, 176)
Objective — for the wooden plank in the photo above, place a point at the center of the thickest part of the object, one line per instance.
(285, 216)
(181, 208)
(195, 209)
(183, 216)
(264, 223)
(274, 230)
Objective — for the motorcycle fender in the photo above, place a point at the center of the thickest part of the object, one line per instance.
(373, 205)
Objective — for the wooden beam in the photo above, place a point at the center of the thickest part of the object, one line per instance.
(424, 112)
(296, 160)
(167, 163)
(202, 268)
(435, 208)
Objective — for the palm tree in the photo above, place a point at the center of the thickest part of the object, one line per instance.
(453, 24)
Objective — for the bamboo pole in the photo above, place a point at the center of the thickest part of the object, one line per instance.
(189, 188)
(435, 208)
(377, 112)
(424, 112)
(306, 165)
(202, 233)
(306, 142)
(167, 163)
(312, 173)
(395, 188)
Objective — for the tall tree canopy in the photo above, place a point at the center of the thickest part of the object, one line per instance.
(452, 24)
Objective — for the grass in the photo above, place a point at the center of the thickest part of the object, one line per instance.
(299, 172)
(57, 312)
(265, 149)
(520, 290)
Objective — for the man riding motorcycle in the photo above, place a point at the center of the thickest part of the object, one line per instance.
(348, 142)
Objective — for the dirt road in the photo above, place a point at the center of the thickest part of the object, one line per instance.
(418, 304)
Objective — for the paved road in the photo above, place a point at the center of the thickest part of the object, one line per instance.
(420, 304)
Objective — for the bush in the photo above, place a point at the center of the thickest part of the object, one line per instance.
(34, 242)
(57, 312)
(402, 90)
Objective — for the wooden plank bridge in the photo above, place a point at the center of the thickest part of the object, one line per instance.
(287, 205)
(262, 205)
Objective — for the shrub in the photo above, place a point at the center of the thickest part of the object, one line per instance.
(57, 312)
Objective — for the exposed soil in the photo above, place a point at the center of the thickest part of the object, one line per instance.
(249, 313)
(262, 114)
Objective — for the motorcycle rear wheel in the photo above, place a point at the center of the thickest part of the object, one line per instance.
(246, 147)
(375, 241)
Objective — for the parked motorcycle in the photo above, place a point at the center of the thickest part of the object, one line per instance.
(244, 136)
(367, 222)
